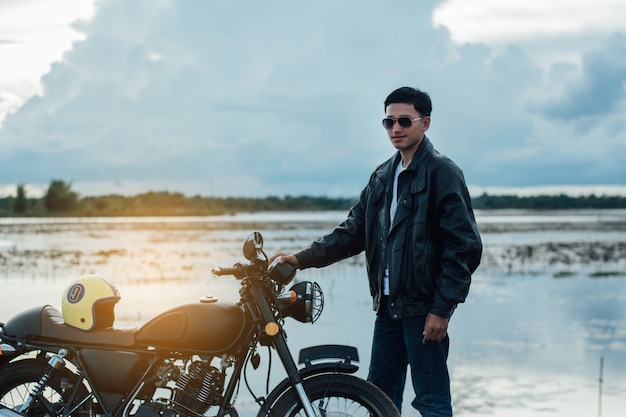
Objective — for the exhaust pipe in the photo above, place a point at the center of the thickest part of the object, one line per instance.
(7, 412)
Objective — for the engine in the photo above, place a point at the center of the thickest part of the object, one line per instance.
(198, 389)
(195, 388)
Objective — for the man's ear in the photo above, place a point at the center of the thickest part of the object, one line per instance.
(426, 123)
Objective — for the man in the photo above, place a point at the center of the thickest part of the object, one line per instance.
(415, 222)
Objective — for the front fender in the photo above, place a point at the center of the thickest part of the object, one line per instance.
(344, 365)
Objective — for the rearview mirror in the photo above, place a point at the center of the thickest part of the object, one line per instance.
(253, 246)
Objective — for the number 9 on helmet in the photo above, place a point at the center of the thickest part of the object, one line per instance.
(88, 303)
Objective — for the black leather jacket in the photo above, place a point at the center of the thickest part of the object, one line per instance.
(432, 247)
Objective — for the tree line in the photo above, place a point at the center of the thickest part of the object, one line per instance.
(61, 200)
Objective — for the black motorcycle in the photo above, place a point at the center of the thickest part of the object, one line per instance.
(188, 361)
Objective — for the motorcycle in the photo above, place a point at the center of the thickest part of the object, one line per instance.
(188, 361)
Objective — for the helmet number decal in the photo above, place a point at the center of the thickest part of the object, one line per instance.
(75, 293)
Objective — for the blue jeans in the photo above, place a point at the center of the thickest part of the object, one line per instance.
(398, 343)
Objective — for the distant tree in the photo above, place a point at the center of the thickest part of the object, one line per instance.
(20, 204)
(60, 197)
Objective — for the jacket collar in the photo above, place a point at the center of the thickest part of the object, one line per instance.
(423, 153)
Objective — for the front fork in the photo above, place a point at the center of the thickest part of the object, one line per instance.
(55, 363)
(282, 349)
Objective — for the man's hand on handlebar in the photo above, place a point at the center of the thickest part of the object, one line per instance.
(287, 258)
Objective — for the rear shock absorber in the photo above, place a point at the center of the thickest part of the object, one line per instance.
(55, 363)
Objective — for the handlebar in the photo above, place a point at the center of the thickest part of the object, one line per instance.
(238, 270)
(280, 273)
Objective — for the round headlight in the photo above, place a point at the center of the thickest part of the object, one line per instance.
(304, 302)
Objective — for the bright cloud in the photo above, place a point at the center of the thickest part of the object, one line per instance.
(497, 21)
(549, 31)
(33, 35)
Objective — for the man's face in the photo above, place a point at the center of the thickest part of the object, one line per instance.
(406, 138)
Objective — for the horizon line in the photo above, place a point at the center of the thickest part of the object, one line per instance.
(571, 190)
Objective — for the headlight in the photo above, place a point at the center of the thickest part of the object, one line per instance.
(304, 302)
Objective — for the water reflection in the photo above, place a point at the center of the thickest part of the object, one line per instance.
(523, 342)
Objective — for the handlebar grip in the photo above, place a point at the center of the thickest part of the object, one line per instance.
(238, 271)
(222, 271)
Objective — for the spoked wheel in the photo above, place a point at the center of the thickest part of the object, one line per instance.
(337, 395)
(18, 380)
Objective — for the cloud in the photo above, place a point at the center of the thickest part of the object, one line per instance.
(495, 21)
(549, 32)
(287, 99)
(599, 90)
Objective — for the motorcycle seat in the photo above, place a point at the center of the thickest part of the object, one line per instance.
(47, 322)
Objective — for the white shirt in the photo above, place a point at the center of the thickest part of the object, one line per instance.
(392, 213)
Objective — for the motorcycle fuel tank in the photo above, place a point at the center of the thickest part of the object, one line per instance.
(207, 325)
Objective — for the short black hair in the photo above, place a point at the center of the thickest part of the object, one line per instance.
(409, 95)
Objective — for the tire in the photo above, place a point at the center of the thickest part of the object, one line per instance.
(17, 380)
(338, 395)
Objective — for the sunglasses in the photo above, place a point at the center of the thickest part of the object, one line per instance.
(403, 121)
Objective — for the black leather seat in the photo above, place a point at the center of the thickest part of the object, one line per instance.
(46, 322)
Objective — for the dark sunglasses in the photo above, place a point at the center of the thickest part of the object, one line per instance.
(403, 121)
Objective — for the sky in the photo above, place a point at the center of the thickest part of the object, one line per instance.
(245, 98)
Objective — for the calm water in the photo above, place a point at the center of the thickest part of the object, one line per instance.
(546, 305)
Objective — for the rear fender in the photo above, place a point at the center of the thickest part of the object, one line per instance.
(8, 353)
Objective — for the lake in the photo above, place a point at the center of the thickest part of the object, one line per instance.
(543, 331)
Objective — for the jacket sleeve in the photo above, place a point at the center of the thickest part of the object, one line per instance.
(458, 241)
(344, 241)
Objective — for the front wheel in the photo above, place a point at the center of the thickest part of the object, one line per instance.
(337, 395)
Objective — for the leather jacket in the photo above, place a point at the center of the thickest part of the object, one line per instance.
(432, 246)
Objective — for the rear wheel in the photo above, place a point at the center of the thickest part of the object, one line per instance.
(18, 380)
(337, 395)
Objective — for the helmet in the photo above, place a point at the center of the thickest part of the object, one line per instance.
(88, 303)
